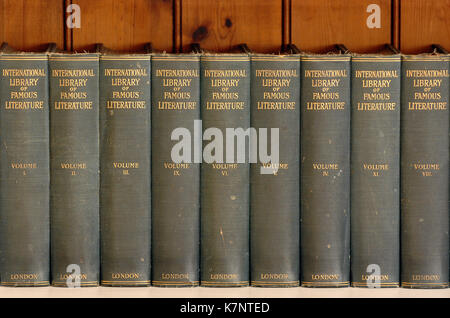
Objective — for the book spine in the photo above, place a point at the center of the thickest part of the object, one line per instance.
(74, 169)
(24, 170)
(125, 107)
(175, 184)
(375, 171)
(325, 171)
(424, 172)
(225, 100)
(275, 197)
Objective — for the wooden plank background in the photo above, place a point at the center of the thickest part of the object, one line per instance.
(218, 25)
(423, 22)
(31, 24)
(318, 25)
(123, 25)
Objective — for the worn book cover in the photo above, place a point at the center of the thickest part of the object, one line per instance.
(375, 174)
(24, 170)
(424, 171)
(325, 170)
(125, 111)
(75, 171)
(225, 101)
(275, 193)
(175, 181)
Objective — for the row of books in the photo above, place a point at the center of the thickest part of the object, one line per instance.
(140, 169)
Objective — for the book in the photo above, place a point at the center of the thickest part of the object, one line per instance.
(74, 169)
(125, 113)
(175, 183)
(24, 169)
(424, 171)
(375, 170)
(325, 170)
(275, 194)
(225, 102)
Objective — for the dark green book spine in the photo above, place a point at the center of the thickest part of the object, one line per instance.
(325, 170)
(375, 171)
(275, 197)
(424, 172)
(125, 107)
(225, 100)
(24, 173)
(74, 169)
(175, 184)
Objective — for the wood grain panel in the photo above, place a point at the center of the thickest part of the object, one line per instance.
(218, 25)
(177, 25)
(422, 23)
(30, 25)
(317, 25)
(124, 25)
(396, 24)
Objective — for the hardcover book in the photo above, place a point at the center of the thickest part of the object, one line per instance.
(325, 170)
(24, 170)
(125, 111)
(225, 101)
(175, 183)
(274, 186)
(74, 163)
(424, 171)
(375, 175)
